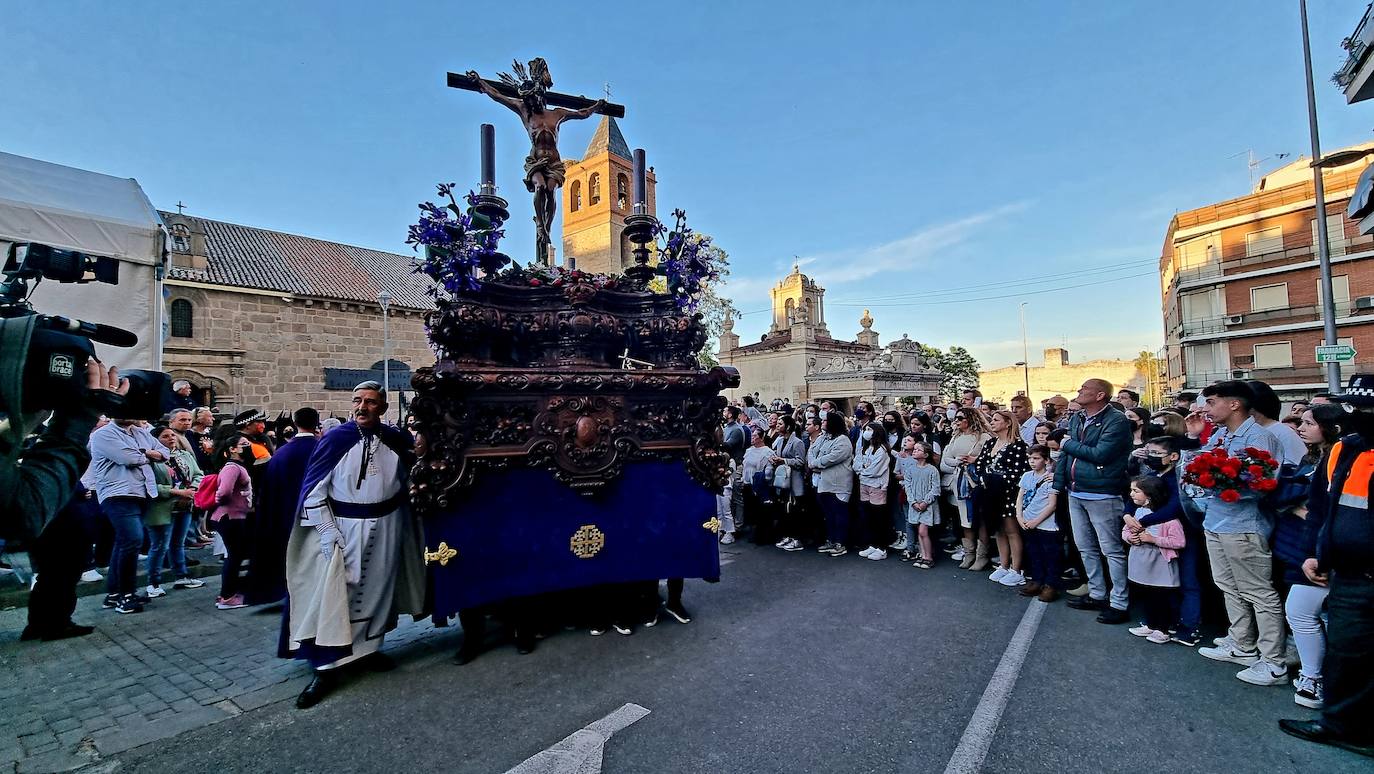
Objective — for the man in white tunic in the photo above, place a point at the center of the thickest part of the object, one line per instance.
(355, 559)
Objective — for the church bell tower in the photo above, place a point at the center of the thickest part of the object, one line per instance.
(596, 200)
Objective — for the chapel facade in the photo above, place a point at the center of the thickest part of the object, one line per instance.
(799, 360)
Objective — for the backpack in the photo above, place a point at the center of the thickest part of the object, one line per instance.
(206, 494)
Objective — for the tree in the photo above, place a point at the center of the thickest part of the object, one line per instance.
(958, 370)
(713, 306)
(1152, 368)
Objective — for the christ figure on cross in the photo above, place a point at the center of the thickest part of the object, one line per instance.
(544, 169)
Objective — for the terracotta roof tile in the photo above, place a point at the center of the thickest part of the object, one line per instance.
(242, 256)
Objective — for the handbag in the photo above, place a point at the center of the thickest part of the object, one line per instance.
(782, 477)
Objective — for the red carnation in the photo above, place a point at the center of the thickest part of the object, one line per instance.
(1231, 467)
(1206, 479)
(1229, 495)
(534, 283)
(1268, 485)
(1256, 471)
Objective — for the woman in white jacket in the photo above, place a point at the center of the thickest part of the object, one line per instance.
(970, 432)
(873, 463)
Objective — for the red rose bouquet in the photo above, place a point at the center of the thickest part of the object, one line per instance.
(1255, 470)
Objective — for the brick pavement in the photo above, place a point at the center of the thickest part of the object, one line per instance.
(179, 665)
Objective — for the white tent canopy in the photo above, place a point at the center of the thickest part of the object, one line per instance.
(74, 209)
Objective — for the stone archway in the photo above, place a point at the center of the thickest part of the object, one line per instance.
(208, 390)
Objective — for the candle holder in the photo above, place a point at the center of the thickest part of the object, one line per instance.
(640, 229)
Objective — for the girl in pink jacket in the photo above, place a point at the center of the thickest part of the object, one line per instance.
(1153, 561)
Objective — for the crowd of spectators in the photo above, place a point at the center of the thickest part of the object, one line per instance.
(1103, 501)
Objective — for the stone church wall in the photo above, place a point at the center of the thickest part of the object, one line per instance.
(261, 351)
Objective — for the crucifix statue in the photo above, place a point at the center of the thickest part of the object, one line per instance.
(541, 111)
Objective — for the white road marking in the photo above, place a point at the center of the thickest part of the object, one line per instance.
(580, 753)
(982, 727)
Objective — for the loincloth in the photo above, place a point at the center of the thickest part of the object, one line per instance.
(553, 170)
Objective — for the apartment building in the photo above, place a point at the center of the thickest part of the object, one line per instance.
(1241, 287)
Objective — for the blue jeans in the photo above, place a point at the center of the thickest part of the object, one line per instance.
(126, 516)
(1097, 531)
(181, 524)
(836, 517)
(1189, 585)
(157, 551)
(1043, 550)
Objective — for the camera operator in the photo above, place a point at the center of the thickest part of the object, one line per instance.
(37, 482)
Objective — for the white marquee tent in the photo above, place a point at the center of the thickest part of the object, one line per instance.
(101, 215)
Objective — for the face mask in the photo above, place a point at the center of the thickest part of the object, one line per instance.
(889, 424)
(1157, 464)
(1054, 454)
(949, 414)
(824, 414)
(868, 435)
(859, 414)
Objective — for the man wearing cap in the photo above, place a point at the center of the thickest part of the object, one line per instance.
(253, 424)
(355, 559)
(1345, 563)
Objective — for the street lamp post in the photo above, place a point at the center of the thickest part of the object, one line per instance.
(1333, 369)
(384, 298)
(1025, 350)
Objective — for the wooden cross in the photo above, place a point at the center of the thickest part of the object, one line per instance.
(552, 98)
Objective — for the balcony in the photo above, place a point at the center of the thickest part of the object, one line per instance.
(1272, 376)
(1211, 325)
(1354, 77)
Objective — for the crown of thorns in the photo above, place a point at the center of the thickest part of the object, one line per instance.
(535, 80)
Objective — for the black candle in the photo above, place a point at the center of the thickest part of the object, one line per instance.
(639, 181)
(488, 158)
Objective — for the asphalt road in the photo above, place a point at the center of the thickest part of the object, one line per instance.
(794, 663)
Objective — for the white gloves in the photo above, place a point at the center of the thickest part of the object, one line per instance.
(330, 537)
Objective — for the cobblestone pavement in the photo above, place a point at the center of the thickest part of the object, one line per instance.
(179, 665)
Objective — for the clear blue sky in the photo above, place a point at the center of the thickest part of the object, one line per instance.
(955, 150)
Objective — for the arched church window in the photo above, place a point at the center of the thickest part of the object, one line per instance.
(594, 188)
(806, 305)
(576, 194)
(182, 324)
(789, 309)
(622, 191)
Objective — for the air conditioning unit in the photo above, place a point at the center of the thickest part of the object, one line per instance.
(1364, 302)
(1240, 373)
(1235, 319)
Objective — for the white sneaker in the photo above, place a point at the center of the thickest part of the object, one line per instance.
(1309, 692)
(781, 543)
(864, 553)
(1231, 653)
(876, 554)
(958, 555)
(1264, 673)
(1141, 630)
(154, 592)
(998, 574)
(91, 576)
(793, 545)
(188, 583)
(1224, 641)
(1013, 578)
(899, 544)
(727, 539)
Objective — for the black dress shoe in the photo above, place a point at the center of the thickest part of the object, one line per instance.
(1112, 615)
(465, 655)
(378, 662)
(524, 647)
(1314, 731)
(67, 630)
(320, 686)
(1087, 603)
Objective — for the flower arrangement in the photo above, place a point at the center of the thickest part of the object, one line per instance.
(540, 275)
(457, 242)
(688, 262)
(1255, 470)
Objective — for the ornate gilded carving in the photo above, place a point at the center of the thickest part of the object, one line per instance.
(587, 541)
(713, 524)
(442, 554)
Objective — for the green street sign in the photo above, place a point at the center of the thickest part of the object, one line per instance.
(1335, 353)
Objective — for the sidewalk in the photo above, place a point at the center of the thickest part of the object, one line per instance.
(179, 665)
(14, 586)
